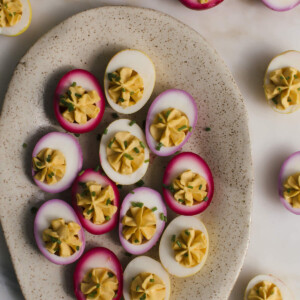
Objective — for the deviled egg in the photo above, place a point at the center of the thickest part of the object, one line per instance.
(95, 199)
(142, 219)
(200, 4)
(281, 5)
(124, 155)
(188, 185)
(282, 82)
(289, 183)
(145, 278)
(267, 287)
(129, 81)
(98, 275)
(15, 16)
(79, 102)
(56, 161)
(170, 121)
(184, 246)
(58, 232)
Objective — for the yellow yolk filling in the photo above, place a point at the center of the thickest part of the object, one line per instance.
(284, 89)
(97, 202)
(190, 188)
(147, 286)
(265, 290)
(170, 127)
(292, 190)
(99, 284)
(10, 12)
(190, 247)
(126, 87)
(49, 165)
(139, 224)
(203, 1)
(125, 153)
(62, 238)
(80, 105)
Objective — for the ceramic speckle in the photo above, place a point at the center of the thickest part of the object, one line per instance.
(183, 60)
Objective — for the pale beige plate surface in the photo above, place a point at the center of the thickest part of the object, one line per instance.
(183, 60)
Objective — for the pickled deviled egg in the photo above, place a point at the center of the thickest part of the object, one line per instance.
(145, 278)
(56, 161)
(15, 16)
(282, 82)
(170, 121)
(98, 275)
(124, 155)
(184, 246)
(267, 287)
(201, 4)
(129, 81)
(142, 219)
(79, 102)
(58, 232)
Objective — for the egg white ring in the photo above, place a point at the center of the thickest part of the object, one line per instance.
(281, 5)
(70, 148)
(150, 198)
(166, 253)
(285, 292)
(139, 62)
(49, 211)
(23, 24)
(286, 59)
(144, 264)
(112, 129)
(172, 98)
(290, 167)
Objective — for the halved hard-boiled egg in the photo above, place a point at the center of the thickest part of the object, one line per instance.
(58, 232)
(170, 121)
(56, 161)
(184, 246)
(200, 4)
(95, 199)
(124, 154)
(281, 5)
(15, 16)
(188, 184)
(289, 183)
(267, 287)
(98, 275)
(143, 215)
(79, 102)
(282, 82)
(129, 81)
(145, 278)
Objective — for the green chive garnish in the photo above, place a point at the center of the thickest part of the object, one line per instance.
(275, 100)
(154, 208)
(288, 190)
(160, 119)
(187, 232)
(90, 211)
(169, 187)
(123, 90)
(295, 76)
(168, 113)
(92, 294)
(121, 99)
(93, 194)
(162, 217)
(140, 183)
(128, 156)
(90, 275)
(173, 238)
(142, 145)
(207, 129)
(143, 297)
(125, 144)
(279, 89)
(289, 99)
(77, 134)
(205, 199)
(298, 89)
(136, 150)
(77, 248)
(111, 76)
(181, 200)
(131, 93)
(182, 127)
(81, 172)
(151, 280)
(190, 128)
(288, 78)
(159, 145)
(136, 241)
(186, 254)
(82, 184)
(105, 131)
(190, 187)
(98, 285)
(132, 122)
(97, 168)
(137, 204)
(110, 274)
(179, 244)
(137, 288)
(48, 159)
(200, 187)
(73, 84)
(108, 201)
(281, 77)
(24, 145)
(107, 218)
(111, 142)
(78, 95)
(147, 160)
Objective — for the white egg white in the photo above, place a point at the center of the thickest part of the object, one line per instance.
(112, 129)
(139, 62)
(284, 60)
(285, 292)
(144, 264)
(23, 24)
(166, 253)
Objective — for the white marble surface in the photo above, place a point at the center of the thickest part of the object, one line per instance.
(247, 35)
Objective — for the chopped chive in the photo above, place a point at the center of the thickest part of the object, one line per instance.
(121, 99)
(281, 77)
(107, 218)
(98, 285)
(14, 13)
(136, 150)
(125, 144)
(131, 93)
(200, 187)
(110, 274)
(137, 204)
(105, 131)
(288, 78)
(39, 164)
(69, 93)
(73, 84)
(162, 217)
(151, 280)
(182, 127)
(275, 100)
(108, 201)
(77, 248)
(132, 122)
(131, 192)
(295, 76)
(136, 240)
(179, 244)
(187, 232)
(173, 238)
(33, 210)
(90, 274)
(137, 288)
(159, 145)
(115, 115)
(147, 160)
(154, 208)
(140, 183)
(279, 89)
(92, 294)
(10, 15)
(168, 113)
(288, 190)
(90, 211)
(190, 187)
(48, 159)
(128, 156)
(50, 175)
(97, 168)
(177, 152)
(123, 90)
(160, 119)
(82, 184)
(78, 95)
(24, 145)
(143, 297)
(93, 194)
(190, 128)
(142, 145)
(298, 89)
(77, 134)
(186, 254)
(205, 199)
(111, 142)
(119, 186)
(169, 187)
(111, 76)
(207, 129)
(289, 99)
(181, 200)
(81, 172)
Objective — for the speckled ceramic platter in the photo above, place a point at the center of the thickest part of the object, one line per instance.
(184, 60)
